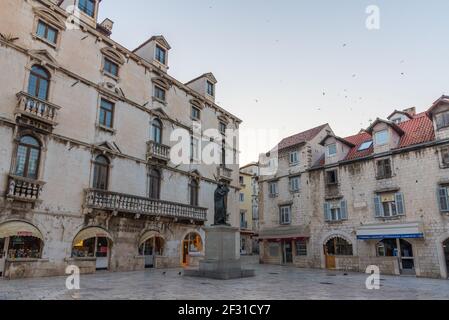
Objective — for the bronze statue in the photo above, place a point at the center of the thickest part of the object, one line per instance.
(221, 205)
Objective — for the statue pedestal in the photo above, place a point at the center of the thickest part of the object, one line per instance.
(222, 260)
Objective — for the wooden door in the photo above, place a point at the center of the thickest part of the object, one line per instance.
(330, 260)
(185, 252)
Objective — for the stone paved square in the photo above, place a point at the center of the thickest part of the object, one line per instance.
(271, 282)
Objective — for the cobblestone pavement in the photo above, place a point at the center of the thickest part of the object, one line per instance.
(271, 282)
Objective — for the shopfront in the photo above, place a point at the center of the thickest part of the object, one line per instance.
(95, 243)
(18, 241)
(283, 245)
(192, 247)
(394, 240)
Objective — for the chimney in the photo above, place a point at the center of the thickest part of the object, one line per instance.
(411, 111)
(106, 27)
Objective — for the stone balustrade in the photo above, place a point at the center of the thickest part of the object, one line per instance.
(118, 202)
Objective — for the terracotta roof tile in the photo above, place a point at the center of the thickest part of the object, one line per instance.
(301, 137)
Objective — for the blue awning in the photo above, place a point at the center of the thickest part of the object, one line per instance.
(412, 230)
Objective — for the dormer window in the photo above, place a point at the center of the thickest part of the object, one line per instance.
(87, 6)
(210, 89)
(381, 138)
(294, 158)
(332, 150)
(161, 54)
(442, 120)
(110, 67)
(46, 32)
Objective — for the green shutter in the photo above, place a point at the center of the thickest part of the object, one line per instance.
(327, 212)
(344, 210)
(378, 208)
(400, 208)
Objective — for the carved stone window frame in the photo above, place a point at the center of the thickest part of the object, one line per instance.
(50, 18)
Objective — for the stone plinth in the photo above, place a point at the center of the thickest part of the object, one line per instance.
(222, 260)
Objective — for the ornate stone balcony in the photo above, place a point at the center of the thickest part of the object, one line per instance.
(224, 173)
(23, 189)
(158, 151)
(34, 111)
(125, 203)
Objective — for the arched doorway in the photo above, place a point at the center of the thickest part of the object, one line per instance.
(192, 245)
(336, 246)
(96, 243)
(19, 240)
(151, 245)
(401, 249)
(446, 254)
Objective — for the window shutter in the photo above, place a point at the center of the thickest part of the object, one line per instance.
(379, 210)
(344, 210)
(400, 204)
(327, 212)
(443, 199)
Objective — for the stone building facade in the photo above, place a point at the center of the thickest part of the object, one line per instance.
(88, 130)
(376, 198)
(249, 208)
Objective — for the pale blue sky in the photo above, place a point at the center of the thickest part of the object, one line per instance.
(275, 59)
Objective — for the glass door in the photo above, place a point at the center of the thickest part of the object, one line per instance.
(407, 258)
(102, 253)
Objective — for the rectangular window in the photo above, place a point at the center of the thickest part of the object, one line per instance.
(389, 205)
(222, 127)
(295, 184)
(44, 31)
(87, 6)
(161, 55)
(273, 189)
(443, 199)
(210, 89)
(294, 158)
(242, 197)
(301, 248)
(241, 180)
(332, 150)
(442, 120)
(445, 156)
(336, 211)
(274, 249)
(196, 113)
(159, 93)
(381, 138)
(110, 67)
(285, 215)
(106, 114)
(384, 169)
(332, 177)
(195, 149)
(365, 146)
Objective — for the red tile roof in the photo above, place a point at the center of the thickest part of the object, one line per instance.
(416, 131)
(300, 137)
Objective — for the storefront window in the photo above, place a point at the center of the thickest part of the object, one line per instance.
(24, 248)
(301, 248)
(91, 248)
(387, 248)
(194, 242)
(153, 246)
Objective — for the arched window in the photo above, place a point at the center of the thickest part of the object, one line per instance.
(39, 83)
(27, 158)
(155, 184)
(338, 247)
(101, 173)
(194, 191)
(156, 131)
